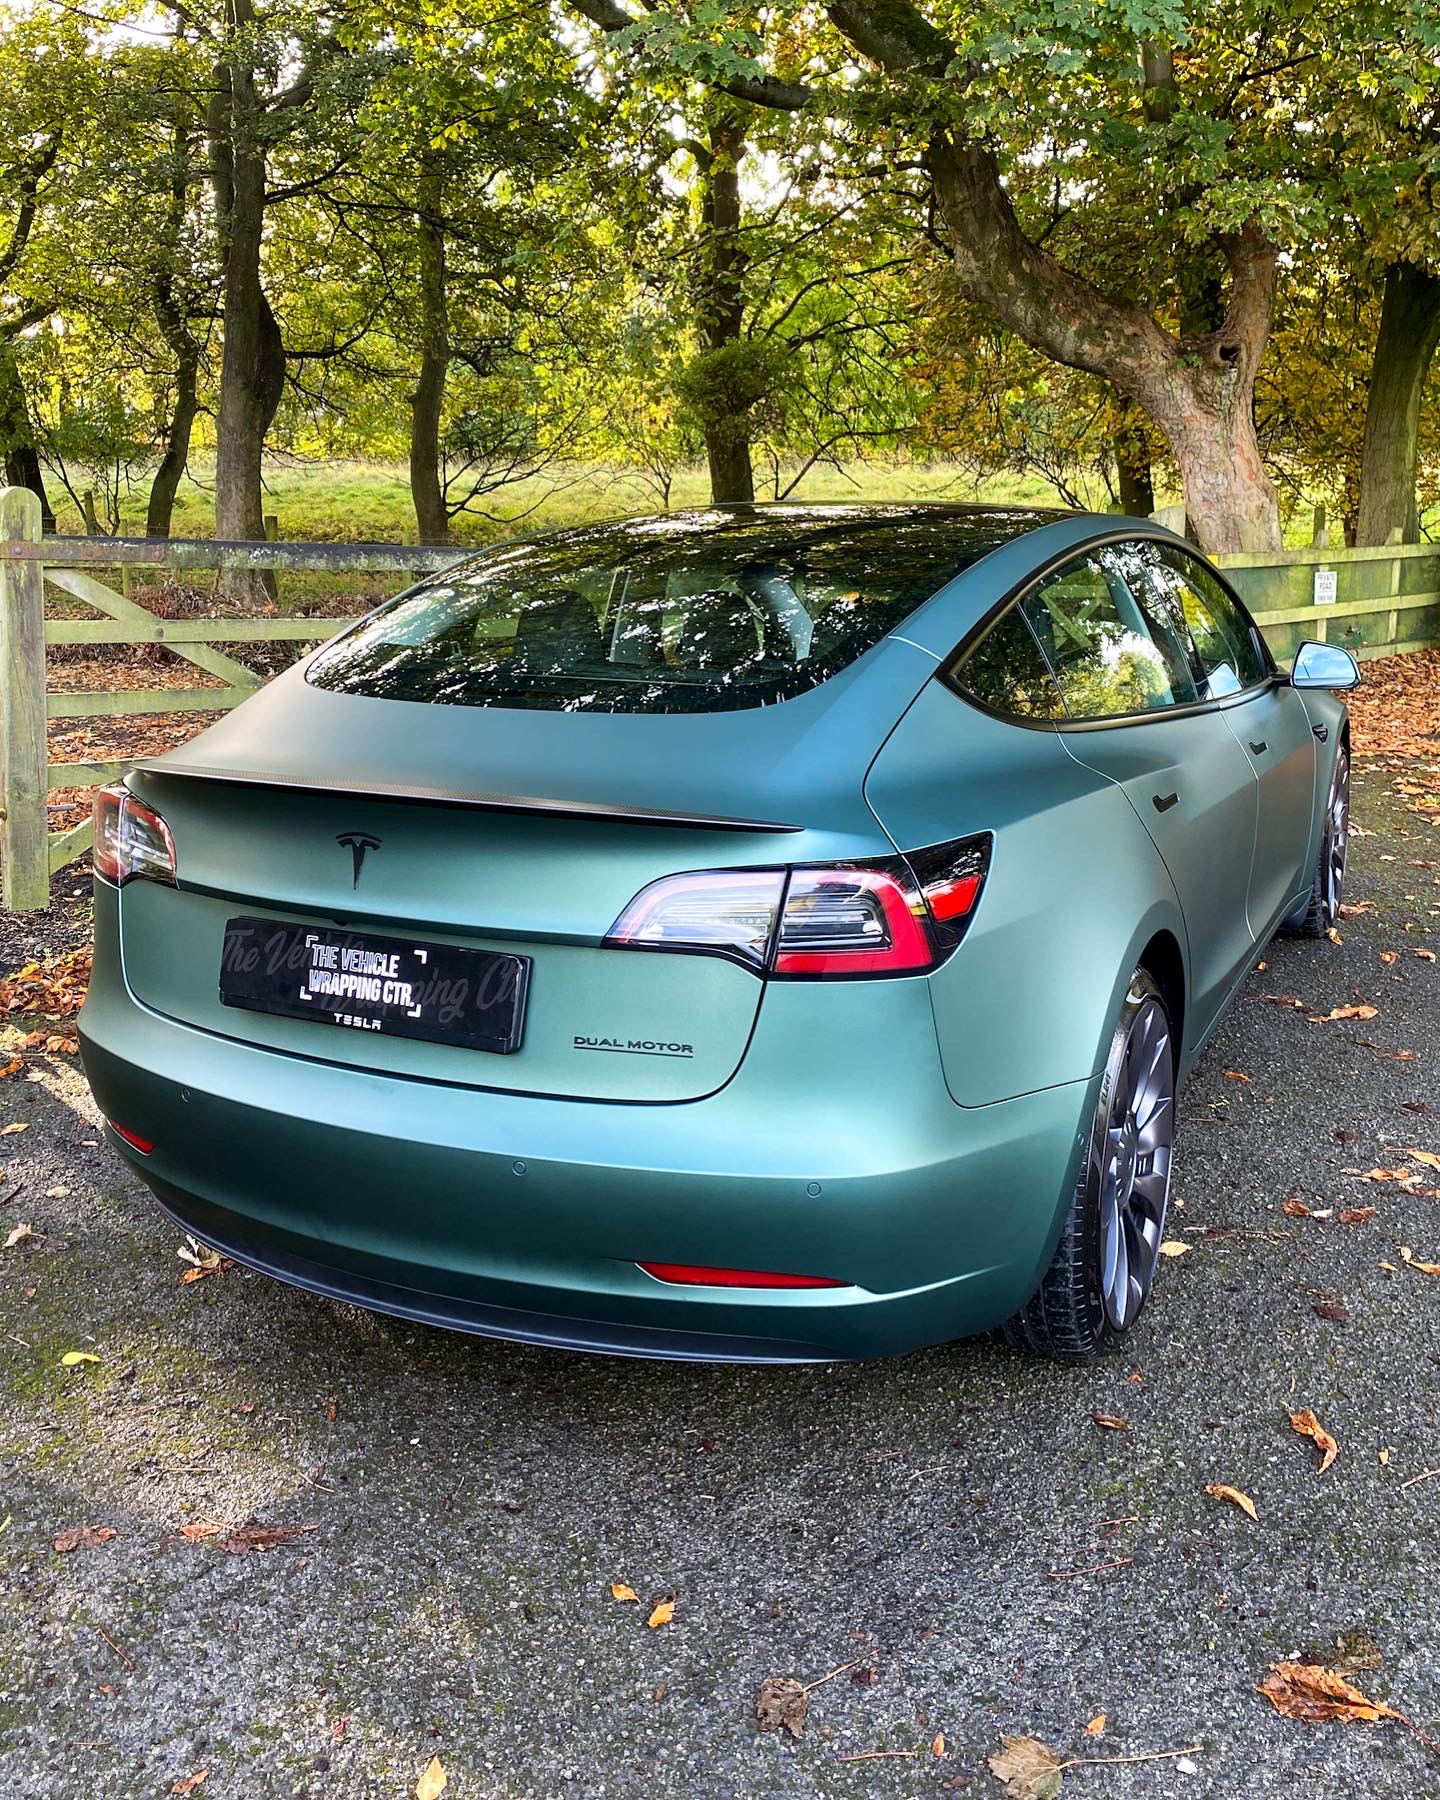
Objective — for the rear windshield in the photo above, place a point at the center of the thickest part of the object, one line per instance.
(685, 614)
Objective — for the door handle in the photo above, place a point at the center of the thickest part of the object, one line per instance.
(1322, 732)
(1259, 749)
(1163, 802)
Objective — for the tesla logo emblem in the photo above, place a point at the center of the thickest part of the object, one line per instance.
(357, 843)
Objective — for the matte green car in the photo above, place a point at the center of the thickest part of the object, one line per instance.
(764, 934)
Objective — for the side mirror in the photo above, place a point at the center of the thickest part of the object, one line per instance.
(1324, 666)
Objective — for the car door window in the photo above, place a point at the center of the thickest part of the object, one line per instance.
(1005, 672)
(1229, 656)
(1109, 656)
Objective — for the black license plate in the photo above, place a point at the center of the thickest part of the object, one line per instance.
(394, 986)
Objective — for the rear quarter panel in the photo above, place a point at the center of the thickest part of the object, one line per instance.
(1075, 891)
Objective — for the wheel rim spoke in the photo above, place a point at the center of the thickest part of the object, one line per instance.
(1135, 1171)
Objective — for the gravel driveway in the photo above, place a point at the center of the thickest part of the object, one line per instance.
(954, 1525)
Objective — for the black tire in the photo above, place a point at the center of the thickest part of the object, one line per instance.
(1078, 1312)
(1322, 907)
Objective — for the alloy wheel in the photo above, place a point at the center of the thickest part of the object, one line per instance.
(1337, 834)
(1135, 1172)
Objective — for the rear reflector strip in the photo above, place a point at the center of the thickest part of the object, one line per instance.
(133, 1139)
(697, 1275)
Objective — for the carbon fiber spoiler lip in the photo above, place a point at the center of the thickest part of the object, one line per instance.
(502, 803)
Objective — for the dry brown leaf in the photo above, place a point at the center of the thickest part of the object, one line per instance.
(1357, 1215)
(1426, 955)
(937, 1744)
(1296, 1209)
(13, 1067)
(1331, 1310)
(1235, 1075)
(1334, 936)
(18, 1235)
(1307, 1691)
(1222, 1491)
(14, 1126)
(433, 1781)
(1174, 1247)
(1389, 956)
(187, 1784)
(1096, 1726)
(1345, 1012)
(1109, 1422)
(662, 1615)
(246, 1538)
(782, 1700)
(1309, 1426)
(83, 1537)
(1292, 1000)
(1429, 1157)
(200, 1529)
(1411, 1261)
(620, 1591)
(1029, 1769)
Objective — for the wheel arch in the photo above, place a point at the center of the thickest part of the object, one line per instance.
(1164, 960)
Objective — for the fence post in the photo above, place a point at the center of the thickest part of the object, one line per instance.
(24, 822)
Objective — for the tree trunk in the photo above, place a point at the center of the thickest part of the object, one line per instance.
(252, 371)
(729, 395)
(166, 483)
(1132, 465)
(18, 450)
(1199, 389)
(1404, 346)
(427, 402)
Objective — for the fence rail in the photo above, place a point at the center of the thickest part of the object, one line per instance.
(1384, 601)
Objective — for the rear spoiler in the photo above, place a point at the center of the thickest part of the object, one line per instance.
(502, 803)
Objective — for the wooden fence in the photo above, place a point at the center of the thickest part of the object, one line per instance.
(1384, 601)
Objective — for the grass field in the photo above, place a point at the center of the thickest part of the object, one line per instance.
(355, 502)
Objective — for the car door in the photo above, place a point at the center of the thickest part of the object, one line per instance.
(1134, 714)
(1268, 720)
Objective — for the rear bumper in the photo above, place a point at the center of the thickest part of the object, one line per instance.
(525, 1218)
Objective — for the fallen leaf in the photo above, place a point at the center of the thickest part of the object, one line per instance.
(1334, 936)
(1383, 1456)
(1357, 1215)
(433, 1781)
(1389, 956)
(18, 1235)
(1429, 1157)
(73, 1358)
(200, 1529)
(1173, 1247)
(1331, 1310)
(1221, 1491)
(1306, 1691)
(13, 1067)
(340, 1727)
(1411, 1261)
(1029, 1769)
(1296, 1209)
(1309, 1426)
(782, 1700)
(1292, 1000)
(246, 1538)
(13, 1127)
(1345, 1012)
(1426, 955)
(662, 1615)
(1235, 1075)
(619, 1591)
(1108, 1422)
(1096, 1726)
(187, 1784)
(83, 1537)
(937, 1744)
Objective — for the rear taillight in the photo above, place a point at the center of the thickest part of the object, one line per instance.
(132, 1138)
(131, 840)
(898, 915)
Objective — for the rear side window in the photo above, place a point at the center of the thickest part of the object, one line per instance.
(673, 615)
(1110, 655)
(1006, 672)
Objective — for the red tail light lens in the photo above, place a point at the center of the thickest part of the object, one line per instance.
(852, 922)
(697, 1275)
(899, 915)
(131, 840)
